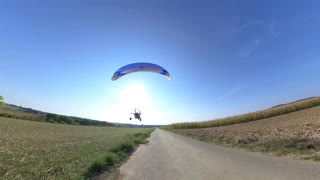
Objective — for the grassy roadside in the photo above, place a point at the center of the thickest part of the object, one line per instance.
(116, 155)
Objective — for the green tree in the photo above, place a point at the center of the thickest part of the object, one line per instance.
(1, 102)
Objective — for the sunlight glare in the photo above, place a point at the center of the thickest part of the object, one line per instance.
(135, 95)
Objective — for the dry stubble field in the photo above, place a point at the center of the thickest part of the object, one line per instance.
(295, 134)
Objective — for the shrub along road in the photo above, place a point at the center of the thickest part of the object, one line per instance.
(172, 156)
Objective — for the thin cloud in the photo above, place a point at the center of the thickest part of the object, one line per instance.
(257, 41)
(246, 52)
(245, 26)
(253, 44)
(233, 91)
(252, 23)
(273, 30)
(312, 65)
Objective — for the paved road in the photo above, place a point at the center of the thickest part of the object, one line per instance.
(172, 156)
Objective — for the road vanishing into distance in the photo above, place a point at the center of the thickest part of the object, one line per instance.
(172, 156)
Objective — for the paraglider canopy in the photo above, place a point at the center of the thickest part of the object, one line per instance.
(140, 67)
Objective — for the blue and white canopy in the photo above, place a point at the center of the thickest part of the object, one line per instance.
(140, 67)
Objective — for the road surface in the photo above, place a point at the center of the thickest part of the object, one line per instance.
(172, 156)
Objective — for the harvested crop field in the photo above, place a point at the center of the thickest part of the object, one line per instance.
(36, 150)
(295, 134)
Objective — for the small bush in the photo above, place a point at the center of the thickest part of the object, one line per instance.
(97, 166)
(138, 134)
(126, 146)
(115, 149)
(316, 158)
(121, 155)
(137, 140)
(111, 158)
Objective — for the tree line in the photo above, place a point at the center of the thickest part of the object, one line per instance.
(62, 119)
(53, 118)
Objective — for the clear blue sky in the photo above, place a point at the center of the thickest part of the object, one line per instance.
(225, 57)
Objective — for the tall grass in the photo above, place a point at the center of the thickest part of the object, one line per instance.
(276, 111)
(117, 154)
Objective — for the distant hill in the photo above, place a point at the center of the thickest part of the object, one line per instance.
(293, 102)
(23, 109)
(19, 112)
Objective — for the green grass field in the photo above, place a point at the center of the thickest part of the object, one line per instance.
(36, 150)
